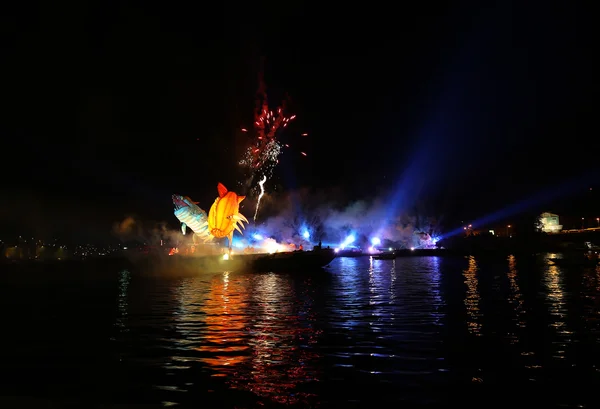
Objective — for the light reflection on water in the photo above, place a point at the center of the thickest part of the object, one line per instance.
(384, 318)
(556, 296)
(222, 341)
(249, 330)
(281, 336)
(515, 299)
(395, 329)
(122, 301)
(472, 297)
(553, 281)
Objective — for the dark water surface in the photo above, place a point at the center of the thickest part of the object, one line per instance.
(420, 331)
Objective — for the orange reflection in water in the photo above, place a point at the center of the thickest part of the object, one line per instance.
(472, 298)
(557, 307)
(556, 302)
(257, 331)
(226, 321)
(555, 295)
(282, 338)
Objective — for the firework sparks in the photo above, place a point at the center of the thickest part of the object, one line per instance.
(261, 157)
(263, 153)
(262, 192)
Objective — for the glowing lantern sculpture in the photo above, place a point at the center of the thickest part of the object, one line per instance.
(224, 215)
(192, 216)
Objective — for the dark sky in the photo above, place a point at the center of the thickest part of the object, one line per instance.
(110, 108)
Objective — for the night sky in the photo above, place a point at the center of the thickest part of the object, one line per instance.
(108, 109)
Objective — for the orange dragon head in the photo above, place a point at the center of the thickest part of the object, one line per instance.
(224, 214)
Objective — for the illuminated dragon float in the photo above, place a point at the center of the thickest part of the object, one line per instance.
(191, 215)
(223, 218)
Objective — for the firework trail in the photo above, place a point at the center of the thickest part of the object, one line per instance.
(262, 192)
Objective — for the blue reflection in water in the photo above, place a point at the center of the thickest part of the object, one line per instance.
(386, 317)
(378, 296)
(349, 283)
(435, 276)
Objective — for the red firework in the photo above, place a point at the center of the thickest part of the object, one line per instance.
(264, 150)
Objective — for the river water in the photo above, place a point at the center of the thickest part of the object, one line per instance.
(423, 332)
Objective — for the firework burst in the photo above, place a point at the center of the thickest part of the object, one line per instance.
(262, 155)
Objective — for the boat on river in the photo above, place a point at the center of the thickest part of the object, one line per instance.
(350, 253)
(384, 256)
(585, 261)
(257, 262)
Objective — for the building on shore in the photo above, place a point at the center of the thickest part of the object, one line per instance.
(550, 223)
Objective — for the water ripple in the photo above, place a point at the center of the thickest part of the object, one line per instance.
(395, 329)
